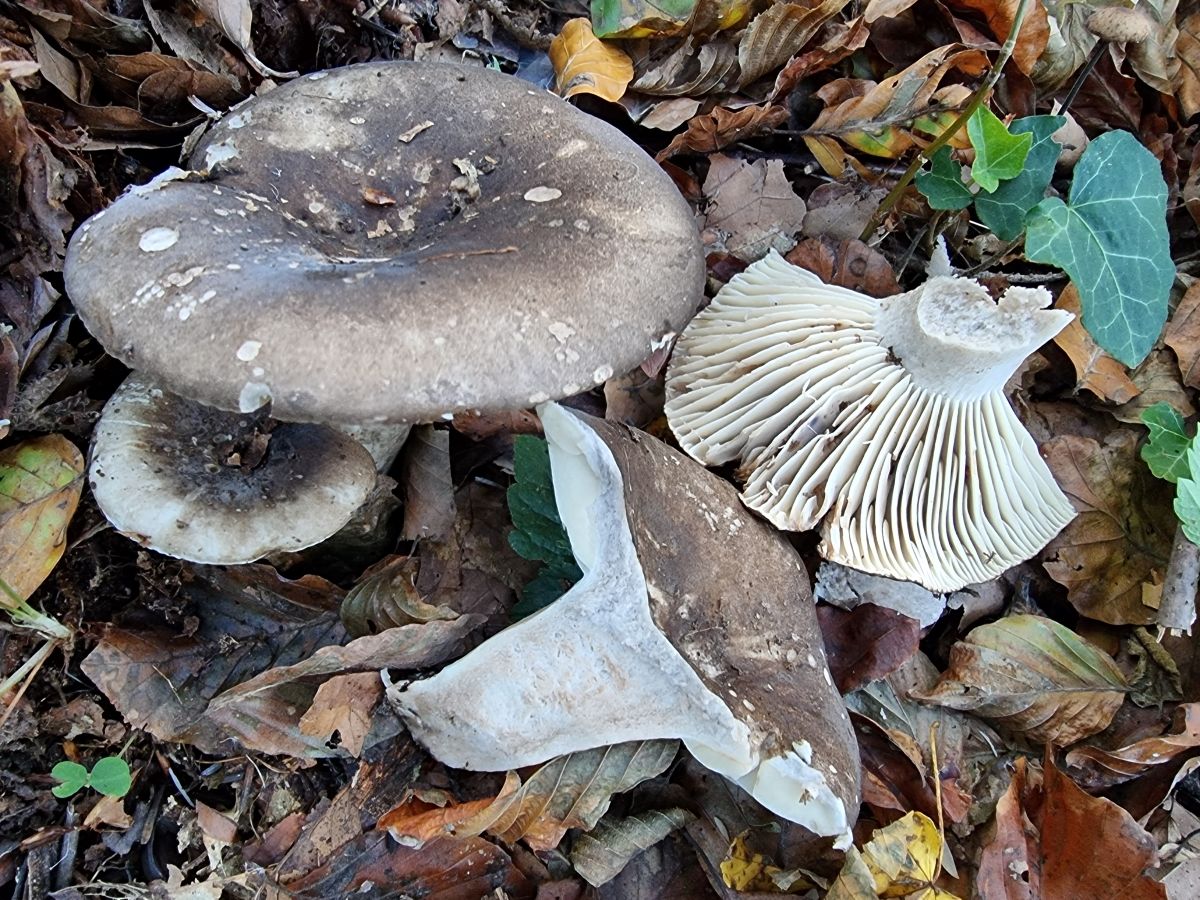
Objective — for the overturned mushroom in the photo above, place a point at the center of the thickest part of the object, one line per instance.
(215, 487)
(884, 419)
(692, 621)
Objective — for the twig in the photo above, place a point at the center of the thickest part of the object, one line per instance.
(1177, 610)
(977, 100)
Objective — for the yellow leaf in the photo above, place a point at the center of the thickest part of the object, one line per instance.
(583, 64)
(40, 484)
(903, 859)
(745, 870)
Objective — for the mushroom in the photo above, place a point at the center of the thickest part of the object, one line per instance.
(692, 620)
(884, 419)
(216, 487)
(393, 242)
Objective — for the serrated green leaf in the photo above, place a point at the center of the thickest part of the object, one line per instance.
(999, 154)
(1187, 495)
(1111, 238)
(1166, 450)
(538, 533)
(599, 855)
(111, 776)
(71, 777)
(1004, 210)
(942, 185)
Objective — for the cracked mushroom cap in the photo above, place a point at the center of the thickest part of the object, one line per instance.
(393, 242)
(884, 420)
(693, 620)
(214, 487)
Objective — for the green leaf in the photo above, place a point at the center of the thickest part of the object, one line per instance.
(1004, 210)
(1166, 451)
(1111, 238)
(71, 777)
(538, 533)
(111, 776)
(1187, 495)
(999, 155)
(637, 18)
(942, 185)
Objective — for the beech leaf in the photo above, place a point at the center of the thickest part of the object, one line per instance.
(584, 64)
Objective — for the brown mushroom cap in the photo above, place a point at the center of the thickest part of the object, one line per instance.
(393, 242)
(165, 471)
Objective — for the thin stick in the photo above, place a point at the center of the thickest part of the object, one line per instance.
(28, 671)
(977, 100)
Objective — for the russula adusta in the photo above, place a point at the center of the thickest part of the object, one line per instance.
(393, 242)
(693, 620)
(215, 487)
(883, 420)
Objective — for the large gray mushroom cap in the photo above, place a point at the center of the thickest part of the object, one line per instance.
(393, 242)
(208, 486)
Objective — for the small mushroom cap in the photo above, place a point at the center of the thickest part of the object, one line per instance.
(393, 242)
(884, 420)
(158, 474)
(711, 638)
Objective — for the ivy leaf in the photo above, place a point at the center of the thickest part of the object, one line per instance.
(111, 776)
(1004, 210)
(1166, 451)
(538, 533)
(1111, 238)
(1187, 495)
(942, 185)
(71, 777)
(999, 155)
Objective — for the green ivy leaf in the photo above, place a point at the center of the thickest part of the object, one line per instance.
(1166, 451)
(1004, 210)
(1187, 496)
(111, 776)
(538, 533)
(999, 155)
(1111, 238)
(71, 777)
(942, 185)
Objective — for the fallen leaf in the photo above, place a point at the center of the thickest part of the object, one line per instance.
(1186, 80)
(837, 41)
(428, 487)
(1095, 370)
(866, 644)
(344, 704)
(848, 263)
(1000, 15)
(1155, 60)
(1010, 861)
(716, 130)
(1125, 763)
(840, 211)
(903, 859)
(780, 32)
(688, 72)
(215, 823)
(387, 597)
(1183, 333)
(40, 484)
(583, 64)
(1032, 677)
(571, 791)
(745, 870)
(599, 855)
(1157, 381)
(234, 18)
(752, 206)
(1122, 535)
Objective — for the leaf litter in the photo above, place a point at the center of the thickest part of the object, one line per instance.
(248, 703)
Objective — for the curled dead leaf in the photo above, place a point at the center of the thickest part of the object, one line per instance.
(1095, 370)
(584, 64)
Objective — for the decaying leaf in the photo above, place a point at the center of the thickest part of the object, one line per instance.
(40, 483)
(1131, 761)
(234, 18)
(779, 33)
(718, 129)
(600, 854)
(571, 791)
(584, 64)
(1186, 79)
(1122, 536)
(1095, 370)
(343, 705)
(387, 597)
(1157, 381)
(1010, 864)
(752, 206)
(902, 859)
(1183, 333)
(866, 644)
(1000, 15)
(847, 263)
(1032, 677)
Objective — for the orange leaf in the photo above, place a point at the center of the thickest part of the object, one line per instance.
(584, 64)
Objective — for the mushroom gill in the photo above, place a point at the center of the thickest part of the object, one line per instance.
(884, 420)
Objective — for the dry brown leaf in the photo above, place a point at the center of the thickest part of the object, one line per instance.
(885, 9)
(689, 73)
(1187, 77)
(584, 64)
(215, 823)
(1183, 331)
(108, 810)
(866, 644)
(571, 791)
(752, 207)
(1010, 862)
(1131, 761)
(1000, 14)
(428, 487)
(1095, 370)
(1156, 60)
(235, 19)
(849, 264)
(713, 131)
(779, 33)
(838, 40)
(1157, 381)
(344, 704)
(1032, 677)
(1122, 535)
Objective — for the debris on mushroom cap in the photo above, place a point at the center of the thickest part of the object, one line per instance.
(693, 620)
(1120, 25)
(207, 486)
(885, 419)
(343, 272)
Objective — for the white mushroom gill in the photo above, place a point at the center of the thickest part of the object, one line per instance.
(593, 669)
(885, 420)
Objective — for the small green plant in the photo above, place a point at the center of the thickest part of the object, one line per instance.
(1109, 235)
(538, 533)
(1174, 457)
(110, 776)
